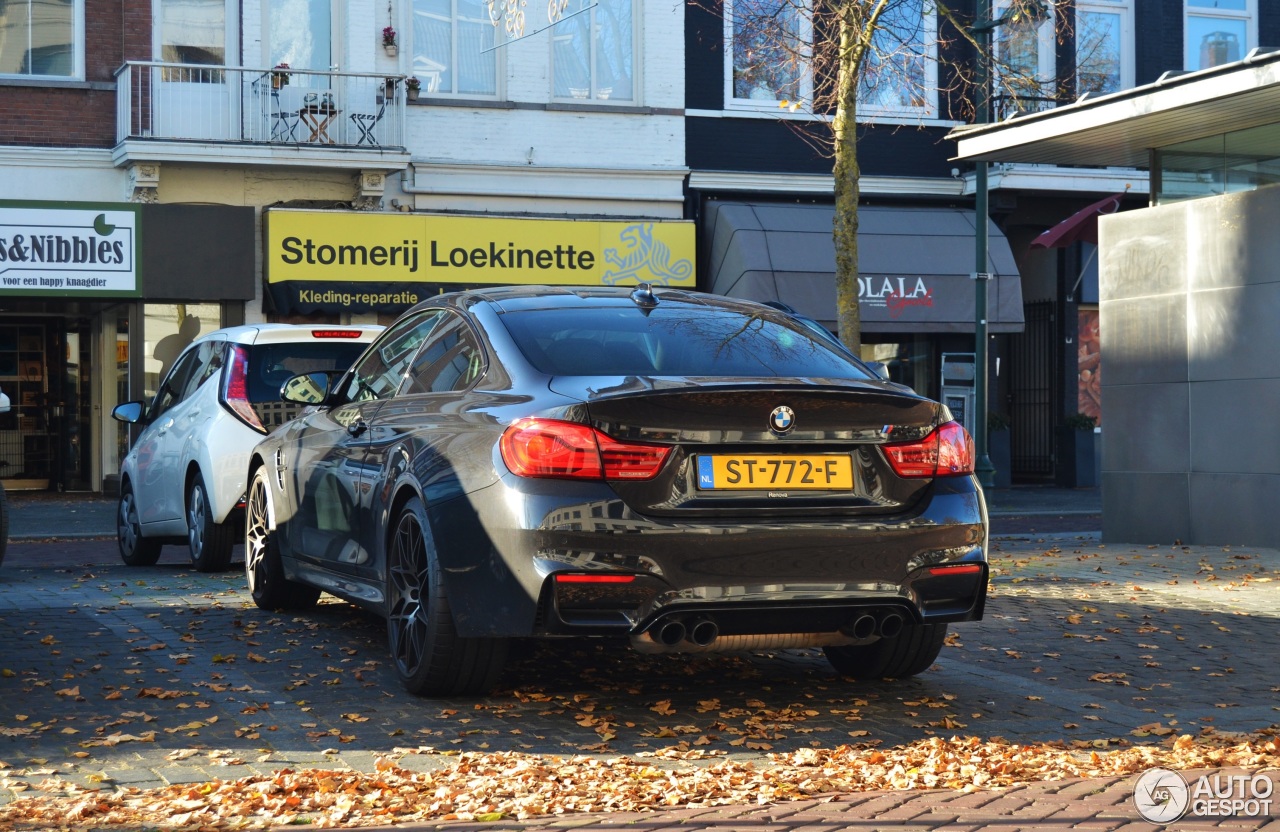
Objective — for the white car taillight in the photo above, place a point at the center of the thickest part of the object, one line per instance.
(235, 389)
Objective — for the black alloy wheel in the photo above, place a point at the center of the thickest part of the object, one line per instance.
(430, 658)
(270, 589)
(210, 542)
(135, 550)
(912, 651)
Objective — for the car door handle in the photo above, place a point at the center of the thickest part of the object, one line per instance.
(357, 427)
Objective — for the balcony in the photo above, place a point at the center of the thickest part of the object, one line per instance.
(222, 114)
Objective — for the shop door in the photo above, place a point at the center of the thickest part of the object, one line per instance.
(71, 413)
(1033, 395)
(199, 100)
(25, 448)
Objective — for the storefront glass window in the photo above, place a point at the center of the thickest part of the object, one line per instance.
(168, 329)
(1243, 160)
(910, 361)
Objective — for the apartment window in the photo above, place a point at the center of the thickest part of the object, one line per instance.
(41, 38)
(453, 48)
(768, 53)
(593, 52)
(1104, 47)
(899, 76)
(1218, 32)
(1025, 64)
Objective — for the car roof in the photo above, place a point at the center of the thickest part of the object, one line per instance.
(290, 333)
(522, 298)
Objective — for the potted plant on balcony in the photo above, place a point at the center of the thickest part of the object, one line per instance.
(412, 86)
(279, 75)
(1076, 467)
(389, 40)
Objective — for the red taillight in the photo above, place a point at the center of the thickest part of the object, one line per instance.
(235, 389)
(570, 450)
(957, 569)
(335, 333)
(946, 452)
(594, 579)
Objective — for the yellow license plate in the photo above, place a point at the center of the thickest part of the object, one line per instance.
(718, 472)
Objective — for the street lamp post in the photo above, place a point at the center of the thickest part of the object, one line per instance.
(984, 470)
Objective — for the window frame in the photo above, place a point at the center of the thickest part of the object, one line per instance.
(360, 386)
(1249, 14)
(868, 112)
(468, 340)
(1046, 57)
(1125, 9)
(499, 56)
(77, 50)
(637, 23)
(731, 102)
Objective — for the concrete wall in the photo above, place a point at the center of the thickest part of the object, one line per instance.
(1190, 297)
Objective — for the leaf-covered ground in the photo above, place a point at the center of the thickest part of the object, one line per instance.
(510, 785)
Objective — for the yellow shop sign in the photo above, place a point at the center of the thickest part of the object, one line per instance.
(323, 246)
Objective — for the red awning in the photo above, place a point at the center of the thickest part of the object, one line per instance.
(1080, 227)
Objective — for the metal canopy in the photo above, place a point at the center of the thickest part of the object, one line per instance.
(1121, 129)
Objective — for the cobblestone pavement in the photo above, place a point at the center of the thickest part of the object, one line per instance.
(148, 676)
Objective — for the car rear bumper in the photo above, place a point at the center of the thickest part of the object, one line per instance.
(592, 567)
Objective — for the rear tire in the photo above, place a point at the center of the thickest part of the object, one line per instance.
(270, 589)
(135, 550)
(912, 651)
(430, 657)
(210, 542)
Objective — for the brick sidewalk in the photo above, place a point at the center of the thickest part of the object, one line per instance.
(1099, 805)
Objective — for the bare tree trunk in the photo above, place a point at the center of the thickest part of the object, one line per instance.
(845, 225)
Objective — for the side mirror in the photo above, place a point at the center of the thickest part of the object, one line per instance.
(129, 412)
(309, 388)
(879, 368)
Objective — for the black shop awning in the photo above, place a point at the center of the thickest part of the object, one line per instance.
(914, 264)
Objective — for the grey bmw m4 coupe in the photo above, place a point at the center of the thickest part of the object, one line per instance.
(686, 471)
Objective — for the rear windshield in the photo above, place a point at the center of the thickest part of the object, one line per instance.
(677, 340)
(271, 365)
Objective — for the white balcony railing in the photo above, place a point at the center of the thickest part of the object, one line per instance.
(167, 101)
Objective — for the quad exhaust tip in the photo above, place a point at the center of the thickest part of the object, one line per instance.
(671, 633)
(704, 632)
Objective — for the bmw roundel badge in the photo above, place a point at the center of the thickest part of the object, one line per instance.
(782, 419)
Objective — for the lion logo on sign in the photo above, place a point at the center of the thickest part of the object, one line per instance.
(645, 260)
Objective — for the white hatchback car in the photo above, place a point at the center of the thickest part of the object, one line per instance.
(184, 478)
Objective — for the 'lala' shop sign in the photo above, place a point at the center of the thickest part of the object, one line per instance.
(895, 294)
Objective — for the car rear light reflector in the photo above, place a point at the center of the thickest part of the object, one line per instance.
(594, 579)
(571, 450)
(946, 452)
(235, 389)
(335, 333)
(957, 569)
